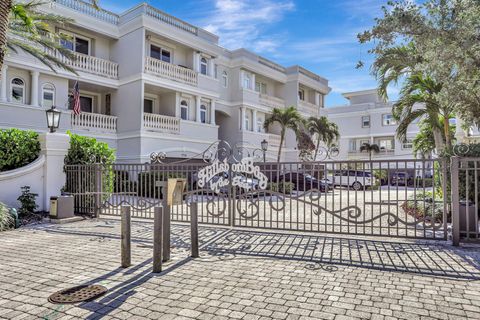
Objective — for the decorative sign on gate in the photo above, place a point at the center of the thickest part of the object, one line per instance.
(222, 169)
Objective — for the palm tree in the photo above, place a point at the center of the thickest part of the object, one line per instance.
(287, 118)
(418, 100)
(370, 148)
(23, 26)
(324, 130)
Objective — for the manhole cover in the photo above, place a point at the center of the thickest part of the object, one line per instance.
(77, 294)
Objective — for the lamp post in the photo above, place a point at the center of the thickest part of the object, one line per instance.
(53, 118)
(264, 145)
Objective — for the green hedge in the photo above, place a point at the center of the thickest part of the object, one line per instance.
(6, 220)
(17, 148)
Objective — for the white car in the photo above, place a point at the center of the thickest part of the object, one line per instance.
(353, 178)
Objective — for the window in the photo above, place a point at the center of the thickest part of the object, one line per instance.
(203, 66)
(363, 142)
(247, 123)
(386, 144)
(388, 120)
(260, 125)
(301, 94)
(86, 103)
(48, 95)
(76, 43)
(203, 114)
(247, 81)
(408, 144)
(366, 122)
(159, 53)
(225, 79)
(352, 145)
(261, 87)
(216, 71)
(147, 105)
(18, 90)
(184, 110)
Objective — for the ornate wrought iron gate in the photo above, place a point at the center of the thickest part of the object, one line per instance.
(395, 198)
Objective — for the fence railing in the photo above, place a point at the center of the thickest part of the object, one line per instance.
(95, 121)
(161, 123)
(88, 9)
(401, 198)
(170, 71)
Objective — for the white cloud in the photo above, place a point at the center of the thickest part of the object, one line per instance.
(240, 23)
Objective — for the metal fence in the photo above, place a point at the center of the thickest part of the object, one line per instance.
(400, 198)
(465, 198)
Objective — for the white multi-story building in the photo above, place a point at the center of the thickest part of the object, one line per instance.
(150, 82)
(367, 119)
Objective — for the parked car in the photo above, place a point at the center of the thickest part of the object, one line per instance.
(353, 178)
(401, 178)
(304, 182)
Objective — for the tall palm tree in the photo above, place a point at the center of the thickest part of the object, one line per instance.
(287, 118)
(370, 148)
(23, 26)
(418, 100)
(324, 131)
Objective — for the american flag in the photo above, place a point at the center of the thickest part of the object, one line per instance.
(76, 99)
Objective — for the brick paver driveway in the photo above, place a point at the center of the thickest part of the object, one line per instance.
(241, 274)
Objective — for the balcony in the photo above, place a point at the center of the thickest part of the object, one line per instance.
(161, 123)
(94, 122)
(272, 102)
(274, 139)
(382, 153)
(170, 71)
(89, 64)
(89, 9)
(308, 108)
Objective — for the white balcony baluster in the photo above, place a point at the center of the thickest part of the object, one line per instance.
(160, 123)
(271, 101)
(94, 122)
(170, 71)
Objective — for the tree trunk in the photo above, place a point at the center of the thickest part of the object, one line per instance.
(446, 129)
(316, 150)
(5, 7)
(439, 142)
(282, 137)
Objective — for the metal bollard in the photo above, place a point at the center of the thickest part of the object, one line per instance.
(166, 232)
(125, 237)
(194, 228)
(158, 239)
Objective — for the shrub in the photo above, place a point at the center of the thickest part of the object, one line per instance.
(88, 151)
(6, 220)
(27, 202)
(423, 205)
(17, 148)
(282, 187)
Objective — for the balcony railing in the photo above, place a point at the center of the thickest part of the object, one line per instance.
(89, 64)
(94, 122)
(274, 139)
(170, 71)
(383, 152)
(308, 108)
(89, 9)
(161, 123)
(171, 20)
(271, 101)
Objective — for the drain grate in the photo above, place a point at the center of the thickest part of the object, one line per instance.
(77, 294)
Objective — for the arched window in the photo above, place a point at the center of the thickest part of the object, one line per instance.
(203, 66)
(203, 113)
(18, 90)
(48, 95)
(225, 79)
(184, 110)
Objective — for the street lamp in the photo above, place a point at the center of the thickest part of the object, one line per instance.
(53, 118)
(264, 145)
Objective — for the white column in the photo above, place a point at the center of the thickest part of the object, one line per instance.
(211, 72)
(317, 98)
(253, 82)
(34, 88)
(54, 146)
(177, 105)
(4, 80)
(254, 120)
(242, 118)
(198, 103)
(196, 62)
(212, 112)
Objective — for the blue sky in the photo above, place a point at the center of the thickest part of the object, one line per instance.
(317, 34)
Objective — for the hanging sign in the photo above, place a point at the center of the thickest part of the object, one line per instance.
(216, 175)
